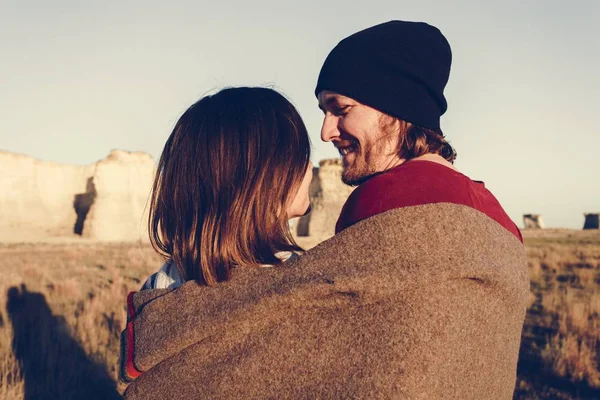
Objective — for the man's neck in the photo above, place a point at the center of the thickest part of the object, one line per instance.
(436, 158)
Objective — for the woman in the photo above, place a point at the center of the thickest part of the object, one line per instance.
(233, 172)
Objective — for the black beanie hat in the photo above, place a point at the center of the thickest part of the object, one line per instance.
(399, 68)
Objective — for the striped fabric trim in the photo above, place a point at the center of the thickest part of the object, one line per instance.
(130, 369)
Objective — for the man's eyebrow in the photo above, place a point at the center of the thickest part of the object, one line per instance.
(330, 101)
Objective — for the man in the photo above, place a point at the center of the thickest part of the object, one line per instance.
(381, 91)
(420, 295)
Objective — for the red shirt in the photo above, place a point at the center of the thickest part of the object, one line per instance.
(421, 182)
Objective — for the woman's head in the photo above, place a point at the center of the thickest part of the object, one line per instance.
(230, 176)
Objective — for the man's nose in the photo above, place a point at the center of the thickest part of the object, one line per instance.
(329, 130)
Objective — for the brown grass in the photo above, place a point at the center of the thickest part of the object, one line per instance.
(560, 351)
(59, 335)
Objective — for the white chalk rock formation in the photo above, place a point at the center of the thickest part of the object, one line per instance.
(328, 194)
(533, 221)
(102, 201)
(37, 197)
(122, 183)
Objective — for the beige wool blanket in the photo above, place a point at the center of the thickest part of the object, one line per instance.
(424, 302)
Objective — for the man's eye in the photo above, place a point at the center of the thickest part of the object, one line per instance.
(342, 110)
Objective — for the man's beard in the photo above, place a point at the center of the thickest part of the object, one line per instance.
(363, 167)
(368, 158)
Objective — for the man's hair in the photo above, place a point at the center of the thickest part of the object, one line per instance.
(416, 141)
(224, 181)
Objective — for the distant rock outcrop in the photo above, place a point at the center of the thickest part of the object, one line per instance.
(102, 201)
(121, 183)
(592, 221)
(327, 194)
(533, 221)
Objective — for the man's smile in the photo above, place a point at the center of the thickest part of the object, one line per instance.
(347, 148)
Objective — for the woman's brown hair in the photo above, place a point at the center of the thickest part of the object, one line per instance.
(224, 180)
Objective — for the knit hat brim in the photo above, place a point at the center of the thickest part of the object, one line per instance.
(403, 98)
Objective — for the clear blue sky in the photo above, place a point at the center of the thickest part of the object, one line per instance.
(78, 78)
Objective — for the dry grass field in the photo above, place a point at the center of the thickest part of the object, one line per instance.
(62, 309)
(560, 349)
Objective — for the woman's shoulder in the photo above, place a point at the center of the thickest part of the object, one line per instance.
(167, 277)
(284, 256)
(287, 255)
